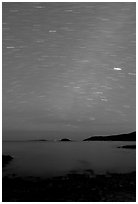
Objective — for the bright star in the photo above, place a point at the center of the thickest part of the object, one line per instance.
(117, 68)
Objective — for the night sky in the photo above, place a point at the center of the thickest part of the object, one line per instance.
(69, 67)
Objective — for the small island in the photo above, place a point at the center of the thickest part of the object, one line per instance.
(65, 140)
(128, 146)
(39, 140)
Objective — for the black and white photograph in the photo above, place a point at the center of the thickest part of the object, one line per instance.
(68, 101)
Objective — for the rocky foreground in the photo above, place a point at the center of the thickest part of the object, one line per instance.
(74, 187)
(6, 159)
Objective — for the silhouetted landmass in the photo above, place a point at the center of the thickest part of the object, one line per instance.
(34, 140)
(74, 187)
(122, 137)
(128, 146)
(65, 140)
(6, 159)
(38, 140)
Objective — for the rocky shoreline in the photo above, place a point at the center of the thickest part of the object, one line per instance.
(6, 159)
(74, 187)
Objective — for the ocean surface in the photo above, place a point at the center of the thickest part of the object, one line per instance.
(45, 159)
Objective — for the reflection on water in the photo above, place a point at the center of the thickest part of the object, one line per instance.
(56, 158)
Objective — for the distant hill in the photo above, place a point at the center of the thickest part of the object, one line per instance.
(122, 137)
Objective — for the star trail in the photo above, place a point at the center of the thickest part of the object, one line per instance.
(69, 66)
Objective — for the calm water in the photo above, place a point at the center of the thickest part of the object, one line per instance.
(56, 158)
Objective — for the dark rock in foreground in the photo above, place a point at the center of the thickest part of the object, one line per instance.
(128, 146)
(74, 187)
(65, 140)
(6, 159)
(122, 137)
